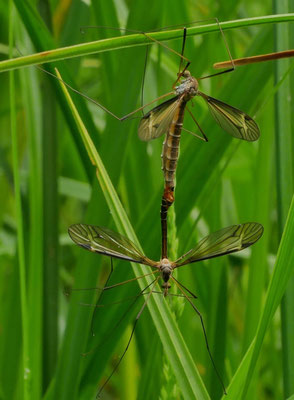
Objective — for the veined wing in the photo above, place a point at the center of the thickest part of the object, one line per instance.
(105, 241)
(234, 121)
(157, 121)
(225, 241)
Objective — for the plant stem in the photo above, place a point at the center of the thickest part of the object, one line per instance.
(138, 39)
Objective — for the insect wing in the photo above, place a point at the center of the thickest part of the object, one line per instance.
(104, 241)
(225, 241)
(157, 121)
(233, 121)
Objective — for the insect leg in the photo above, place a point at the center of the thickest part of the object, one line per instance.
(204, 137)
(107, 280)
(232, 67)
(112, 286)
(108, 335)
(143, 78)
(99, 104)
(185, 288)
(130, 339)
(182, 52)
(204, 332)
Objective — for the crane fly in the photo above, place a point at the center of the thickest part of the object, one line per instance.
(106, 242)
(256, 59)
(167, 118)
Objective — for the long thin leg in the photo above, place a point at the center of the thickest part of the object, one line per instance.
(185, 288)
(133, 297)
(217, 73)
(94, 288)
(184, 40)
(108, 335)
(204, 332)
(232, 67)
(181, 72)
(115, 285)
(107, 280)
(116, 302)
(108, 288)
(129, 341)
(199, 127)
(130, 280)
(194, 134)
(183, 49)
(99, 104)
(143, 79)
(172, 294)
(161, 97)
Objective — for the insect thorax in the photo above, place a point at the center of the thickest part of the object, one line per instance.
(188, 86)
(166, 269)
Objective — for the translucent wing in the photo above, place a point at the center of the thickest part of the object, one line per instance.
(104, 241)
(228, 240)
(157, 121)
(232, 120)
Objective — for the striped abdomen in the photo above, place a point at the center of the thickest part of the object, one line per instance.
(170, 152)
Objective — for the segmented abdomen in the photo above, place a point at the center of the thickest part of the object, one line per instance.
(170, 151)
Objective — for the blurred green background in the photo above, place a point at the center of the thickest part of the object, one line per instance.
(219, 183)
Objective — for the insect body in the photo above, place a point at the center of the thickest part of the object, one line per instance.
(106, 242)
(167, 118)
(225, 241)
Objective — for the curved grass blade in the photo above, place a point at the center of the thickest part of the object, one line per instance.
(133, 40)
(283, 271)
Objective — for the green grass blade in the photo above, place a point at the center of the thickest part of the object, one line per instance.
(284, 166)
(282, 273)
(179, 356)
(50, 231)
(134, 40)
(35, 259)
(263, 193)
(42, 39)
(25, 369)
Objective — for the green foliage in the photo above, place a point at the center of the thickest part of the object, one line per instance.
(48, 182)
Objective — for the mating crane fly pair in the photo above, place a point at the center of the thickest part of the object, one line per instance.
(167, 118)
